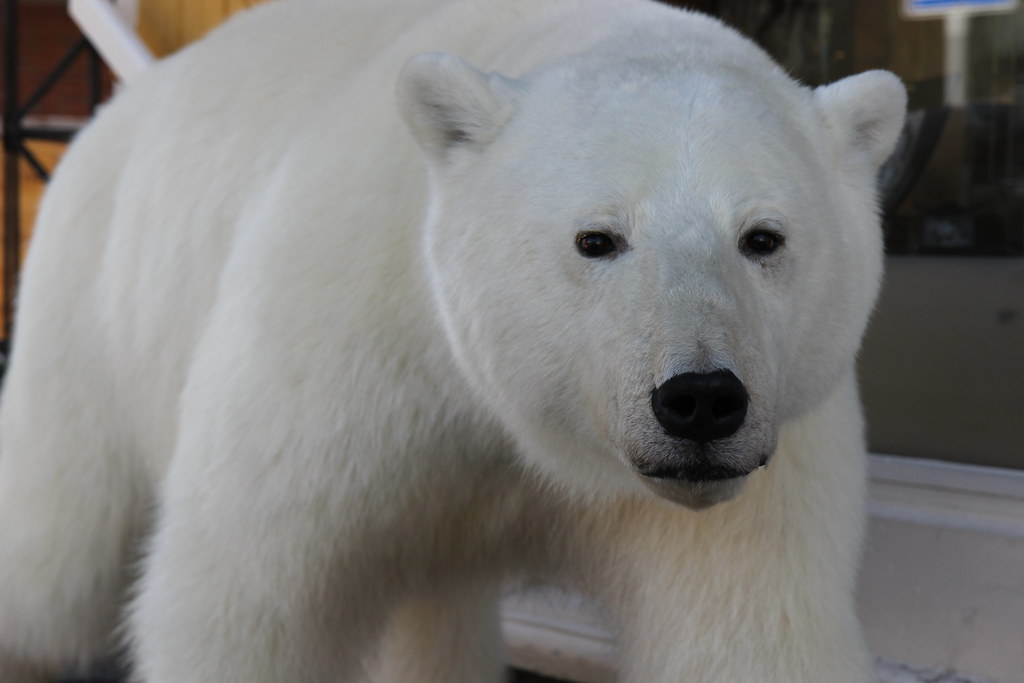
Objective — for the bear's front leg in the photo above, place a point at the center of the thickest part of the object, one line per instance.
(734, 607)
(759, 589)
(253, 584)
(270, 560)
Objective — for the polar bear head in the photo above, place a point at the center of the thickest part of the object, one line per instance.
(646, 262)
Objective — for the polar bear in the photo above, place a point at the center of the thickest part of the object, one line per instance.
(306, 370)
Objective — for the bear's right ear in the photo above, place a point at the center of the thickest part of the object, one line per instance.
(449, 104)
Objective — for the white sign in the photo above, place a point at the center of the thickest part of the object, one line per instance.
(936, 8)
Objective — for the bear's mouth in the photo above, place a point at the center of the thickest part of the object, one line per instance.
(698, 482)
(695, 473)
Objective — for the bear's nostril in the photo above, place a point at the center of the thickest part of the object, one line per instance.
(724, 406)
(701, 406)
(685, 407)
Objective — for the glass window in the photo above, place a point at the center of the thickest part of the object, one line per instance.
(942, 370)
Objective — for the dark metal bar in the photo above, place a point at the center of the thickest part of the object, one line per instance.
(54, 76)
(33, 161)
(95, 79)
(11, 136)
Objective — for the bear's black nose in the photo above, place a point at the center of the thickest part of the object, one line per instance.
(701, 406)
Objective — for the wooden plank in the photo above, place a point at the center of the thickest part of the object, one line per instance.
(155, 26)
(167, 25)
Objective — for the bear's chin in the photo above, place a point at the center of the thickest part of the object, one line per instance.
(695, 495)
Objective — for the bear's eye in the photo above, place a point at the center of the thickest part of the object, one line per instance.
(594, 244)
(761, 242)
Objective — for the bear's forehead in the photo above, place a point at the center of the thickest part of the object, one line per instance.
(635, 90)
(678, 144)
(678, 124)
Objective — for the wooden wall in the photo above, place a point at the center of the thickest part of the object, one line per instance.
(167, 25)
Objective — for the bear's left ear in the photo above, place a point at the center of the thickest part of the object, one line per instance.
(865, 114)
(448, 104)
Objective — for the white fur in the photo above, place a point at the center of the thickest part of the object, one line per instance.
(334, 387)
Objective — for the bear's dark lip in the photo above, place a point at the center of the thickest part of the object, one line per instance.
(694, 474)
